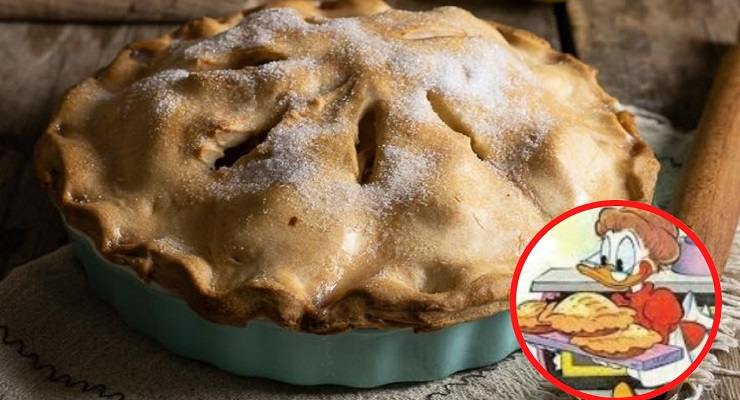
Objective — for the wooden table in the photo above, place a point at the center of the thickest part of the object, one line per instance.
(656, 54)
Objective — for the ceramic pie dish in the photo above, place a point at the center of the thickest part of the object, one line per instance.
(356, 358)
(304, 179)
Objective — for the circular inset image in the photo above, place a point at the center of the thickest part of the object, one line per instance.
(616, 299)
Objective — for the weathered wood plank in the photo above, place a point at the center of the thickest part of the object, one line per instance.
(658, 54)
(41, 61)
(117, 10)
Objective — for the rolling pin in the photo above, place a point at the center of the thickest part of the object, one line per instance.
(708, 196)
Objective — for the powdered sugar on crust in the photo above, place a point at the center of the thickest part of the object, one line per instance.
(288, 163)
(402, 176)
(491, 90)
(256, 30)
(158, 89)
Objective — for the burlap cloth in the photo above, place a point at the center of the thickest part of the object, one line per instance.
(58, 341)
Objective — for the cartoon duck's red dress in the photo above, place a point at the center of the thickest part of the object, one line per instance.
(659, 310)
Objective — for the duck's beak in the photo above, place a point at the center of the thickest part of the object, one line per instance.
(607, 276)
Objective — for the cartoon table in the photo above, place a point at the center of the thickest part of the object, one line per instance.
(583, 371)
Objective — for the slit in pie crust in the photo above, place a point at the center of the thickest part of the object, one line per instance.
(336, 167)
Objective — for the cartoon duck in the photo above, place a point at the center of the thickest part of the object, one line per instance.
(636, 244)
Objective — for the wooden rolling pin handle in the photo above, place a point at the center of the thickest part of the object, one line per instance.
(708, 197)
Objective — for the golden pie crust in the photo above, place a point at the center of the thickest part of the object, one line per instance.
(624, 343)
(587, 314)
(528, 314)
(393, 164)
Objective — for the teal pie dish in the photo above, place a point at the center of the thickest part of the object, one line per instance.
(355, 358)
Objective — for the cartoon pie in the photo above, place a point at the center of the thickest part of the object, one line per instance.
(587, 314)
(335, 166)
(528, 314)
(624, 343)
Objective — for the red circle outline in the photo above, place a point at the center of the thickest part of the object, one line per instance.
(610, 203)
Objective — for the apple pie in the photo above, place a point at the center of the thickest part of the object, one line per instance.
(528, 315)
(624, 343)
(338, 164)
(587, 314)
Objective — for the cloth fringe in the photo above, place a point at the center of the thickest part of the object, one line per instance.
(705, 377)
